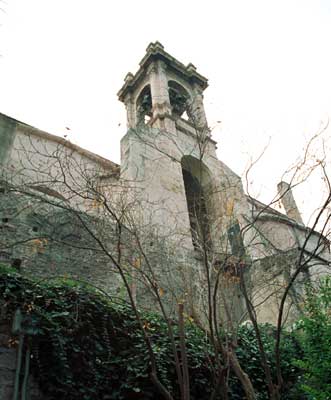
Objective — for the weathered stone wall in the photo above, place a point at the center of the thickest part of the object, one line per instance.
(268, 277)
(49, 191)
(151, 158)
(7, 137)
(42, 240)
(42, 235)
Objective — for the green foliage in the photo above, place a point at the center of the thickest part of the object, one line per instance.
(86, 346)
(315, 335)
(248, 355)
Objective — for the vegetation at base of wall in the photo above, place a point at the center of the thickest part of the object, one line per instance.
(87, 346)
(315, 335)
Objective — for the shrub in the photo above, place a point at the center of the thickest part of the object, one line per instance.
(315, 335)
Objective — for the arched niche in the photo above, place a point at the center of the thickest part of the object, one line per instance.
(180, 100)
(144, 106)
(197, 184)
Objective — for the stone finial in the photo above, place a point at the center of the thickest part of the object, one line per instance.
(191, 68)
(159, 45)
(154, 46)
(287, 199)
(128, 77)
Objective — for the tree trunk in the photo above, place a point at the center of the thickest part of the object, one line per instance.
(185, 395)
(242, 376)
(221, 387)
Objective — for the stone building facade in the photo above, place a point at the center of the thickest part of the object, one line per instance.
(65, 210)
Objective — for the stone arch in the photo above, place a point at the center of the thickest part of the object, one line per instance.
(180, 100)
(197, 184)
(144, 106)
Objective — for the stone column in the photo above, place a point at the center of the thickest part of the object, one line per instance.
(287, 199)
(198, 110)
(160, 97)
(130, 112)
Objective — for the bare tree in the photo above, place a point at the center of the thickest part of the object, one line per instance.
(81, 207)
(64, 202)
(297, 265)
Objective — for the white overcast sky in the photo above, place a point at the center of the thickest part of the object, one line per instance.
(268, 63)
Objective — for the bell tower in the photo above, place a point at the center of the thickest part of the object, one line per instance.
(180, 193)
(164, 93)
(168, 154)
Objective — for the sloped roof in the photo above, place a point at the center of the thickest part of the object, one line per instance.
(30, 130)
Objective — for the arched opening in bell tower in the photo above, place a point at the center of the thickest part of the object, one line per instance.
(144, 106)
(196, 179)
(180, 100)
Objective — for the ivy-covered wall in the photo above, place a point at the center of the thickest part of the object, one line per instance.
(87, 346)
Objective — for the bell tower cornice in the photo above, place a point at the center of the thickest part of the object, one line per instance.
(154, 52)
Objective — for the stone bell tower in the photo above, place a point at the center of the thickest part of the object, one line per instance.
(169, 154)
(182, 195)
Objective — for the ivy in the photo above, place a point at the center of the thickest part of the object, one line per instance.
(86, 346)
